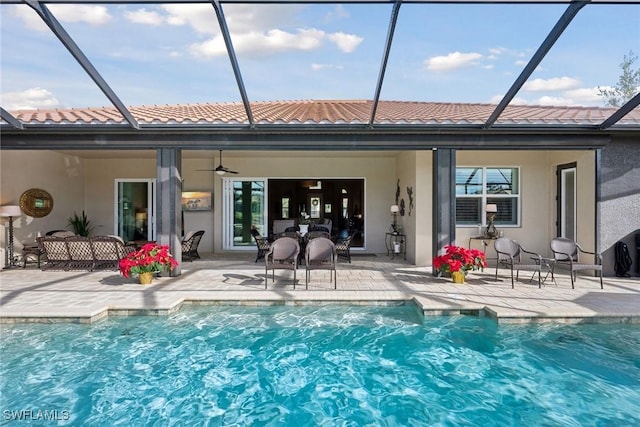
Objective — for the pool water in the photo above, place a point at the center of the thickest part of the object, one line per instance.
(305, 366)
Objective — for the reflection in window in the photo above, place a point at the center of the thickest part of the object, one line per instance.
(285, 207)
(477, 187)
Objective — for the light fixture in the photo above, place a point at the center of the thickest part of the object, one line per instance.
(491, 209)
(394, 211)
(10, 211)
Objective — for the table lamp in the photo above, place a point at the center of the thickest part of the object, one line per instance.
(394, 211)
(491, 209)
(10, 211)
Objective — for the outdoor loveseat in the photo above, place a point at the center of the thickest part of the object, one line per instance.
(83, 253)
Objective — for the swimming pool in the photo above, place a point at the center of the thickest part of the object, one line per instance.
(332, 365)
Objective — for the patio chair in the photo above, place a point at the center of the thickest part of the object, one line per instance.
(566, 251)
(261, 243)
(55, 251)
(282, 254)
(343, 247)
(190, 245)
(320, 254)
(510, 254)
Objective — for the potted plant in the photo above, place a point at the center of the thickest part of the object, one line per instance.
(457, 261)
(80, 224)
(147, 261)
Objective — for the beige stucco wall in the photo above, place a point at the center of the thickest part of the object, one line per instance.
(415, 171)
(60, 175)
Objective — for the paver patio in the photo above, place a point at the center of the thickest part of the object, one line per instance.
(32, 295)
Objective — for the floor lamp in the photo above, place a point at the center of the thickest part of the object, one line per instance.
(10, 211)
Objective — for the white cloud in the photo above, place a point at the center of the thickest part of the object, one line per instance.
(201, 17)
(29, 99)
(259, 44)
(553, 84)
(520, 63)
(319, 67)
(92, 15)
(555, 101)
(585, 96)
(144, 16)
(345, 42)
(452, 61)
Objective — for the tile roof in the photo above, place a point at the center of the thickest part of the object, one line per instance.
(329, 112)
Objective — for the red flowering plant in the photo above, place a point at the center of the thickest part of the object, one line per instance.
(460, 259)
(151, 258)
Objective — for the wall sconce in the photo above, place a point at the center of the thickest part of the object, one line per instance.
(491, 209)
(10, 211)
(394, 211)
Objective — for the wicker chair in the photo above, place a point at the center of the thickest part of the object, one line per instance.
(190, 245)
(566, 251)
(320, 254)
(282, 254)
(510, 254)
(343, 247)
(262, 244)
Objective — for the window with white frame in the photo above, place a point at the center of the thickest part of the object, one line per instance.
(478, 186)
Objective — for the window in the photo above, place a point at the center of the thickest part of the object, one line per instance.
(477, 187)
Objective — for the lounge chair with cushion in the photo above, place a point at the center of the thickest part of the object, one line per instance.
(282, 254)
(566, 251)
(320, 254)
(513, 255)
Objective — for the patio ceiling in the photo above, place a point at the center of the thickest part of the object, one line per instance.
(242, 55)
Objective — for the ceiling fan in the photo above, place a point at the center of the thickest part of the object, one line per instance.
(220, 170)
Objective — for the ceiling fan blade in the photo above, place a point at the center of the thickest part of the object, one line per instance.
(220, 170)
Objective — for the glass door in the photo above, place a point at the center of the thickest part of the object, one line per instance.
(567, 214)
(244, 207)
(134, 217)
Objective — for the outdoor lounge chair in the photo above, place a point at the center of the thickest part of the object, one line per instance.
(566, 251)
(511, 254)
(320, 254)
(282, 254)
(190, 245)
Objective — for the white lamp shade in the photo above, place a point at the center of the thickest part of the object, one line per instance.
(491, 208)
(395, 208)
(10, 210)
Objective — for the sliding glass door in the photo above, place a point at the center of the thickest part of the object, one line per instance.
(134, 203)
(243, 204)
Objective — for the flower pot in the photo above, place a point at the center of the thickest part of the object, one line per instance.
(304, 228)
(146, 278)
(458, 277)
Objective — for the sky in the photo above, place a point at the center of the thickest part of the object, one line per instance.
(174, 53)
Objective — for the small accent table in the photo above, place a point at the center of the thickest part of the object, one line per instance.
(31, 249)
(393, 241)
(484, 240)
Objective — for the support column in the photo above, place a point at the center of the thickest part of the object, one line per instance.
(444, 199)
(169, 203)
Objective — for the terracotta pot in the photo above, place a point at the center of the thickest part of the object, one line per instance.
(145, 278)
(458, 277)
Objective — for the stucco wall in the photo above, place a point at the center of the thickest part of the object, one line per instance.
(60, 175)
(620, 201)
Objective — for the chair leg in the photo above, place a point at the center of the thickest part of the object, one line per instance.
(512, 284)
(573, 278)
(294, 277)
(266, 277)
(306, 278)
(601, 285)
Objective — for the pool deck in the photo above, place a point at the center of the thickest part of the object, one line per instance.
(32, 295)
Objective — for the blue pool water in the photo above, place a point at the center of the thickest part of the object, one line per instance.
(304, 366)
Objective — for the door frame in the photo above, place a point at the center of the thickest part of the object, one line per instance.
(151, 204)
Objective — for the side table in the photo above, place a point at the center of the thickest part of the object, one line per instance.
(31, 249)
(395, 241)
